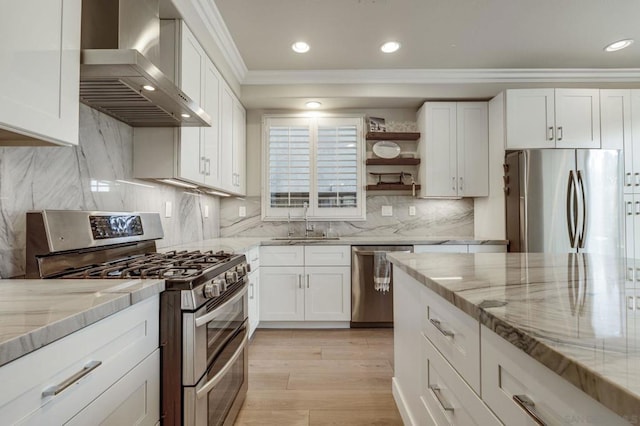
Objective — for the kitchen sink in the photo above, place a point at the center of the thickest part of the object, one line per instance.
(305, 238)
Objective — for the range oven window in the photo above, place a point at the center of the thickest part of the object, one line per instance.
(221, 327)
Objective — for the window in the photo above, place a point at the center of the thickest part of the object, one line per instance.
(313, 166)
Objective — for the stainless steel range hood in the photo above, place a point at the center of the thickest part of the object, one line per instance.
(120, 53)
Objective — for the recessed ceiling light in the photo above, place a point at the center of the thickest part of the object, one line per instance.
(618, 45)
(148, 88)
(390, 47)
(313, 104)
(185, 115)
(300, 47)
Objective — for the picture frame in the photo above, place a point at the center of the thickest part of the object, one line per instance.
(377, 124)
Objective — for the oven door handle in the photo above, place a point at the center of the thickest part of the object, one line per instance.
(204, 390)
(202, 320)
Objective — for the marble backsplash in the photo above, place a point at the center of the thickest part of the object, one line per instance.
(96, 175)
(433, 218)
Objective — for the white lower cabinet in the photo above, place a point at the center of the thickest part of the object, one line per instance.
(311, 283)
(253, 260)
(98, 368)
(519, 389)
(447, 397)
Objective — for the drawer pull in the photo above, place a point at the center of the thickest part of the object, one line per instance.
(530, 407)
(436, 323)
(438, 393)
(55, 390)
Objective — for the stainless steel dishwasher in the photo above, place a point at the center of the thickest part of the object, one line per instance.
(370, 307)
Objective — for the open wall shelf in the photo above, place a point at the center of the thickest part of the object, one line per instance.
(391, 187)
(393, 136)
(393, 161)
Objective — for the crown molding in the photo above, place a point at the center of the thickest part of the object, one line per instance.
(443, 76)
(221, 36)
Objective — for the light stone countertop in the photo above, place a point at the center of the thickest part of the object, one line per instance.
(35, 312)
(242, 244)
(570, 312)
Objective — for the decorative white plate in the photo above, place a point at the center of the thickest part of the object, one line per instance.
(386, 149)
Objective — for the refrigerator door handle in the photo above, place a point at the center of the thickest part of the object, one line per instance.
(583, 233)
(571, 210)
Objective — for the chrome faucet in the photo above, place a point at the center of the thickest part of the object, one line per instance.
(307, 228)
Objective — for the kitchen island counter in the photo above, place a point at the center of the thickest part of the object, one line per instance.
(573, 313)
(36, 312)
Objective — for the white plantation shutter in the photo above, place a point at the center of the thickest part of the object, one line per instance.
(289, 166)
(318, 161)
(337, 166)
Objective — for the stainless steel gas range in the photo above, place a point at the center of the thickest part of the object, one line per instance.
(203, 312)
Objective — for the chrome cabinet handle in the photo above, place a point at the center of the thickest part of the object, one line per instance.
(57, 389)
(550, 133)
(572, 214)
(203, 167)
(630, 276)
(637, 207)
(461, 184)
(437, 324)
(637, 274)
(637, 178)
(252, 291)
(630, 304)
(208, 168)
(453, 183)
(529, 407)
(299, 280)
(627, 179)
(560, 132)
(307, 280)
(438, 394)
(629, 208)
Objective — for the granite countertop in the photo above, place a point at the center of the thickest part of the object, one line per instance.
(574, 313)
(243, 244)
(34, 312)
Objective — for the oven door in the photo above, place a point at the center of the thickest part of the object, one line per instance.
(216, 399)
(206, 331)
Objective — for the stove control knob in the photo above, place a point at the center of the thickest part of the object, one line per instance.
(221, 283)
(211, 290)
(248, 266)
(231, 277)
(241, 270)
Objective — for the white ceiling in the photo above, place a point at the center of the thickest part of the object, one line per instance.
(445, 43)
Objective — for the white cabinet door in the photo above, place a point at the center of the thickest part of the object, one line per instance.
(577, 118)
(282, 295)
(226, 139)
(629, 215)
(254, 301)
(530, 118)
(239, 148)
(327, 293)
(632, 159)
(39, 71)
(472, 137)
(210, 137)
(437, 147)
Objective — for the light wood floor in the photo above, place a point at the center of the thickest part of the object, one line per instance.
(320, 377)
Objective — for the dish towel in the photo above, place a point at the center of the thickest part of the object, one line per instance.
(381, 272)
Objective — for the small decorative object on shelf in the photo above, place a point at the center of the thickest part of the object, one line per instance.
(394, 184)
(377, 124)
(386, 149)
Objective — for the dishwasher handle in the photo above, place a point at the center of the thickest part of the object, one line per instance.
(371, 250)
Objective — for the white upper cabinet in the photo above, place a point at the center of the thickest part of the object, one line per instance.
(454, 149)
(553, 118)
(39, 72)
(211, 157)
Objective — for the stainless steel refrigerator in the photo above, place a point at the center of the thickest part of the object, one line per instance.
(564, 200)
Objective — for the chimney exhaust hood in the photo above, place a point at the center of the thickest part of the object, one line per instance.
(118, 72)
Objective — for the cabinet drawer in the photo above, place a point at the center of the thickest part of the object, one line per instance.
(327, 255)
(449, 400)
(253, 258)
(282, 256)
(508, 372)
(118, 342)
(455, 334)
(132, 400)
